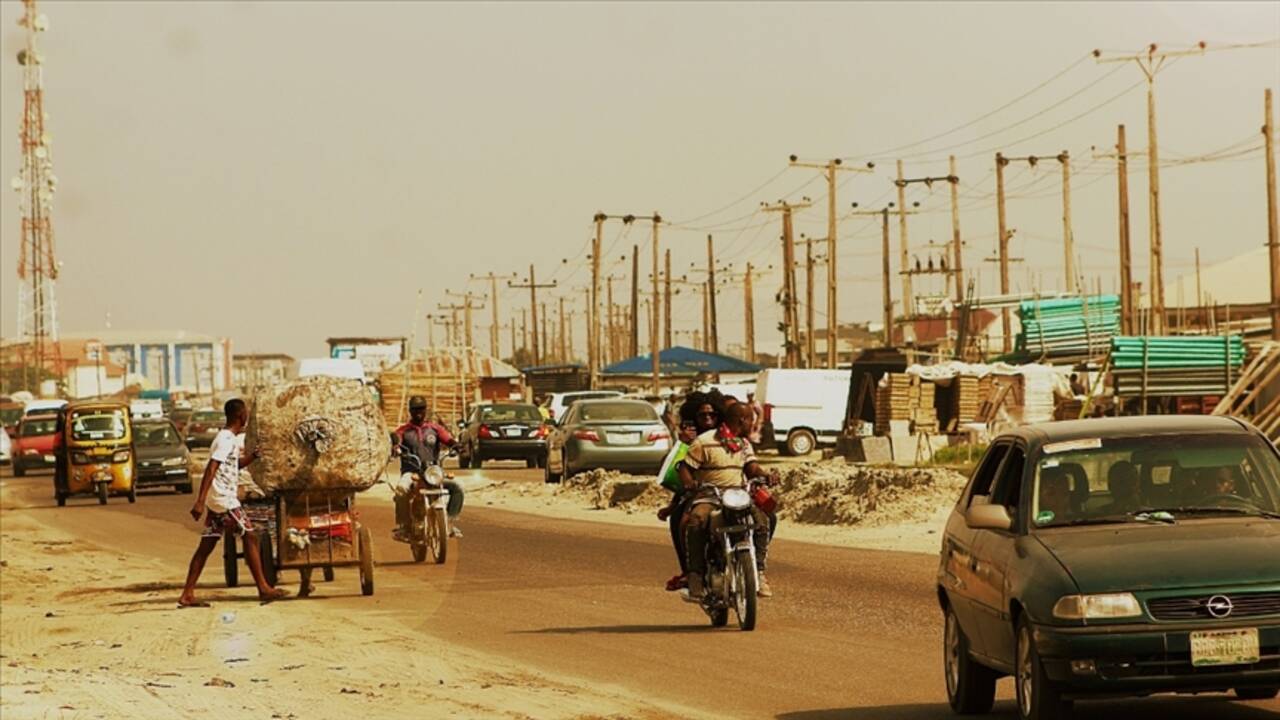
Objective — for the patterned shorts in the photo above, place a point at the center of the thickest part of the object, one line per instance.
(215, 523)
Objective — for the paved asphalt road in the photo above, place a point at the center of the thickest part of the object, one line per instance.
(851, 634)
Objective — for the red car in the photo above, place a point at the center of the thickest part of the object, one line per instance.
(36, 444)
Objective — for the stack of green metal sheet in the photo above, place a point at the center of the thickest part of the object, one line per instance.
(1068, 328)
(1170, 366)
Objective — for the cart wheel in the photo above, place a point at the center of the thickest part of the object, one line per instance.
(269, 571)
(438, 536)
(304, 582)
(133, 494)
(229, 565)
(102, 493)
(366, 561)
(328, 574)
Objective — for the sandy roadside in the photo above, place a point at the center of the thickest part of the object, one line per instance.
(91, 633)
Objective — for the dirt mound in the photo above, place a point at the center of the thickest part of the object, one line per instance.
(834, 493)
(609, 488)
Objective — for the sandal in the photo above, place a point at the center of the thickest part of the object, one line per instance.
(677, 582)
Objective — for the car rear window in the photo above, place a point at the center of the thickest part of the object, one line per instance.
(617, 412)
(32, 428)
(571, 399)
(510, 413)
(207, 416)
(98, 425)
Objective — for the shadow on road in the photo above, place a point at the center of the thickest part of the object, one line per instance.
(616, 630)
(1218, 707)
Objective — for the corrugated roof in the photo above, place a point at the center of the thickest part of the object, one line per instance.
(447, 362)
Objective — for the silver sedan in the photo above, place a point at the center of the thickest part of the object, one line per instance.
(624, 435)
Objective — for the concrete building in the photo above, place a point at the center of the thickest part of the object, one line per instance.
(375, 354)
(255, 371)
(177, 361)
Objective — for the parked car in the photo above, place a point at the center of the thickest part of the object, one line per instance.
(1116, 556)
(556, 403)
(10, 414)
(503, 431)
(625, 435)
(163, 459)
(6, 447)
(802, 408)
(43, 407)
(203, 427)
(180, 416)
(36, 443)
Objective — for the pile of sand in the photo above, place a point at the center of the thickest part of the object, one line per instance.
(609, 489)
(835, 493)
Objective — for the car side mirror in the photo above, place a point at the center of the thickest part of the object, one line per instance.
(988, 516)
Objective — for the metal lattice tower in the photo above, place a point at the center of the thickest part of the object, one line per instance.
(35, 185)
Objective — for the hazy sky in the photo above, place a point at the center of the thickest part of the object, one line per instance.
(279, 173)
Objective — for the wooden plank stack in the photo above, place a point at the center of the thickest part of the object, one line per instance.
(967, 394)
(904, 404)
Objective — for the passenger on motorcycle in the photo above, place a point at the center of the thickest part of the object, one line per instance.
(720, 458)
(423, 439)
(699, 413)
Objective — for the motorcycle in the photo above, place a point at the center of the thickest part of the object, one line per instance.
(731, 580)
(428, 531)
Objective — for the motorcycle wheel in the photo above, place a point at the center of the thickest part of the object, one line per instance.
(438, 535)
(419, 551)
(744, 590)
(102, 493)
(719, 617)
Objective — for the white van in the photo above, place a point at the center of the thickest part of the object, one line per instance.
(803, 408)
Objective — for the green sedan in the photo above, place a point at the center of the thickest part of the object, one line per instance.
(1114, 557)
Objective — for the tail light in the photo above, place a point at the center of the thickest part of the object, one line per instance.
(657, 435)
(541, 432)
(768, 413)
(484, 432)
(591, 435)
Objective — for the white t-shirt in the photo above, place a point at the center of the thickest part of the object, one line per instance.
(226, 449)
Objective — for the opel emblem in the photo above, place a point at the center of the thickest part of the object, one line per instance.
(1219, 606)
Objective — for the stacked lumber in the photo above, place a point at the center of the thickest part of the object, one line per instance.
(904, 405)
(449, 378)
(1248, 397)
(1172, 366)
(967, 394)
(1068, 328)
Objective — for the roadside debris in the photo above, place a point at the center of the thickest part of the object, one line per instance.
(609, 488)
(216, 681)
(836, 493)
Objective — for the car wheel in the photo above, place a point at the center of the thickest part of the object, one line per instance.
(18, 470)
(464, 461)
(530, 463)
(971, 688)
(1257, 693)
(1038, 698)
(800, 442)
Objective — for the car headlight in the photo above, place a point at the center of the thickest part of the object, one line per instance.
(120, 456)
(174, 462)
(80, 458)
(1097, 607)
(735, 499)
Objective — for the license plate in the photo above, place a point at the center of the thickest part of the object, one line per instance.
(513, 432)
(623, 438)
(1224, 647)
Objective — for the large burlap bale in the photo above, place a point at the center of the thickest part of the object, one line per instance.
(318, 433)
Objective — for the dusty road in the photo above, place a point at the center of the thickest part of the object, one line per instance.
(850, 633)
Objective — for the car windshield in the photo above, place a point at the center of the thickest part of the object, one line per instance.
(1160, 477)
(10, 415)
(97, 425)
(156, 435)
(510, 413)
(617, 412)
(206, 417)
(43, 426)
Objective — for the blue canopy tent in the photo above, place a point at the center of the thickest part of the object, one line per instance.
(682, 361)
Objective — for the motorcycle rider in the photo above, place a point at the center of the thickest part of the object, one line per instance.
(422, 438)
(722, 458)
(699, 413)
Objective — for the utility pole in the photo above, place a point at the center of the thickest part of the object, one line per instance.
(533, 286)
(1002, 241)
(909, 300)
(831, 167)
(1150, 63)
(1128, 303)
(564, 347)
(886, 272)
(1068, 240)
(654, 322)
(1273, 234)
(635, 300)
(667, 340)
(791, 317)
(524, 332)
(467, 307)
(957, 260)
(713, 339)
(455, 327)
(810, 343)
(546, 340)
(750, 310)
(442, 322)
(493, 305)
(593, 341)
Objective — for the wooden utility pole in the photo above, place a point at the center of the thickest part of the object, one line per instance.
(1068, 243)
(593, 341)
(791, 315)
(909, 301)
(1273, 233)
(493, 305)
(810, 342)
(467, 306)
(514, 347)
(1003, 244)
(713, 340)
(611, 356)
(884, 268)
(654, 319)
(1126, 251)
(635, 300)
(1150, 62)
(666, 303)
(533, 286)
(706, 320)
(957, 254)
(750, 313)
(831, 167)
(908, 296)
(564, 346)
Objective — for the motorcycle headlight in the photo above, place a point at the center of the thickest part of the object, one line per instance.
(80, 458)
(435, 475)
(120, 456)
(174, 462)
(736, 499)
(1097, 607)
